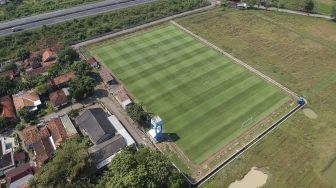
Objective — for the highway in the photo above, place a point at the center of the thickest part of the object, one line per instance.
(63, 15)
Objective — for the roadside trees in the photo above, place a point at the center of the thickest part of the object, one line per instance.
(309, 6)
(333, 12)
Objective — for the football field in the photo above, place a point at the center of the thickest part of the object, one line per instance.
(203, 98)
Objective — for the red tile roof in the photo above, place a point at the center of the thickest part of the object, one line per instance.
(57, 131)
(121, 94)
(62, 79)
(33, 134)
(43, 149)
(58, 97)
(92, 61)
(18, 156)
(48, 55)
(25, 99)
(18, 172)
(7, 107)
(35, 72)
(105, 75)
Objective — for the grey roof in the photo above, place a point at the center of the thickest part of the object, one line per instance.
(106, 149)
(96, 125)
(21, 181)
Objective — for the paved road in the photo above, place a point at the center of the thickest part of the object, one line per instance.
(59, 16)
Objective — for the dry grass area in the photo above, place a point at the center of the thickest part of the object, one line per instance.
(298, 52)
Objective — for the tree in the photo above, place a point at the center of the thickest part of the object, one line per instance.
(81, 68)
(23, 54)
(42, 88)
(138, 114)
(142, 168)
(81, 86)
(333, 12)
(67, 56)
(6, 85)
(26, 115)
(309, 6)
(68, 168)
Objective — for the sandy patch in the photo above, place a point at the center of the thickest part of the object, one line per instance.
(253, 179)
(310, 113)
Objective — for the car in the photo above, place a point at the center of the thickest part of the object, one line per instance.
(15, 29)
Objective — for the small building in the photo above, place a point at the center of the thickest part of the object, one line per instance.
(6, 154)
(107, 141)
(93, 62)
(7, 108)
(156, 129)
(30, 72)
(27, 99)
(19, 176)
(68, 125)
(62, 81)
(106, 76)
(49, 55)
(57, 131)
(60, 98)
(122, 97)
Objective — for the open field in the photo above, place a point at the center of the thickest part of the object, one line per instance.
(203, 98)
(299, 52)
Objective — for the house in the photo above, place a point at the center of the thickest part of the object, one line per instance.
(43, 149)
(68, 125)
(44, 140)
(3, 2)
(7, 107)
(6, 154)
(60, 97)
(57, 131)
(49, 55)
(107, 141)
(61, 81)
(94, 123)
(122, 97)
(9, 73)
(93, 62)
(20, 175)
(107, 78)
(27, 99)
(30, 72)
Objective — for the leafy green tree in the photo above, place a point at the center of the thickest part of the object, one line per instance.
(6, 86)
(23, 53)
(81, 86)
(67, 56)
(138, 114)
(81, 68)
(142, 168)
(42, 88)
(10, 66)
(26, 115)
(68, 168)
(309, 6)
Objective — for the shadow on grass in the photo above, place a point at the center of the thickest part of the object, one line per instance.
(170, 137)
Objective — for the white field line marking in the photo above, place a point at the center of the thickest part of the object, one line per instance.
(237, 61)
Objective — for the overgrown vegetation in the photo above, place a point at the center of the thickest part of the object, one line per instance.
(139, 115)
(92, 26)
(142, 168)
(20, 8)
(69, 166)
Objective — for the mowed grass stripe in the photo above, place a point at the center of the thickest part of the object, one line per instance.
(201, 95)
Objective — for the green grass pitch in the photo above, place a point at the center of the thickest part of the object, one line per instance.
(201, 96)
